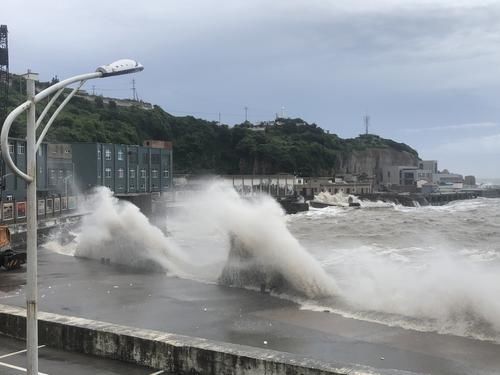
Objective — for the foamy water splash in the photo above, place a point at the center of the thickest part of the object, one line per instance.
(260, 224)
(118, 231)
(428, 268)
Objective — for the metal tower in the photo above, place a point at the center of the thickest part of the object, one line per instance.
(135, 96)
(4, 72)
(367, 123)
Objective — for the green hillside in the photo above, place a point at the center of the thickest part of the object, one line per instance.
(201, 146)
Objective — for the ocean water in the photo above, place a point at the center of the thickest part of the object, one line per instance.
(426, 268)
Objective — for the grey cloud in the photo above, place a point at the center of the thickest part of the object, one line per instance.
(412, 66)
(476, 125)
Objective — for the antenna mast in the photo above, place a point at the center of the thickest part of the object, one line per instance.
(135, 97)
(367, 123)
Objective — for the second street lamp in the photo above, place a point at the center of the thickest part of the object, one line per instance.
(125, 66)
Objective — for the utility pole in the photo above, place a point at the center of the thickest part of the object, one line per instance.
(93, 90)
(31, 231)
(367, 123)
(219, 119)
(4, 72)
(246, 113)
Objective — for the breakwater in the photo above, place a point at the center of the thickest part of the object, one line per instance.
(419, 199)
(166, 351)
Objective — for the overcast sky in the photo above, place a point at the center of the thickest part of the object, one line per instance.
(427, 72)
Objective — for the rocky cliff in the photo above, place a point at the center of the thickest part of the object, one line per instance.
(372, 160)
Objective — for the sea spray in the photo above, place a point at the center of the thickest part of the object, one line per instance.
(427, 268)
(259, 224)
(338, 199)
(441, 291)
(117, 230)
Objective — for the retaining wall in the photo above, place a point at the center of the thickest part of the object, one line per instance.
(175, 353)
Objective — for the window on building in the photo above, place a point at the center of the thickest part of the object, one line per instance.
(132, 173)
(40, 150)
(132, 187)
(99, 154)
(155, 158)
(165, 173)
(143, 187)
(20, 149)
(107, 154)
(11, 148)
(99, 173)
(107, 173)
(154, 173)
(52, 177)
(120, 172)
(145, 158)
(61, 175)
(120, 155)
(143, 173)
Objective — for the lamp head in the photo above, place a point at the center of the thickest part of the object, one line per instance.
(119, 67)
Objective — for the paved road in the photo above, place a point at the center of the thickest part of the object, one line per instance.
(115, 294)
(55, 362)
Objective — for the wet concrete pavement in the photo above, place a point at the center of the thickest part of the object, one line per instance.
(116, 294)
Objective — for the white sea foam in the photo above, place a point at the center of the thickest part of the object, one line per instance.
(338, 199)
(427, 290)
(260, 225)
(118, 231)
(420, 268)
(199, 243)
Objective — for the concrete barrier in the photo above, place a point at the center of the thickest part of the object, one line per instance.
(165, 351)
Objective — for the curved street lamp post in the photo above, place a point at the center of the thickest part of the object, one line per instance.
(119, 67)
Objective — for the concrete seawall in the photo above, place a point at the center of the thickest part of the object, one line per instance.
(174, 353)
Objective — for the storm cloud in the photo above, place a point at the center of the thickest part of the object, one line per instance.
(409, 64)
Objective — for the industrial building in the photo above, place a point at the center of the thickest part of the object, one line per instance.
(65, 170)
(124, 169)
(413, 178)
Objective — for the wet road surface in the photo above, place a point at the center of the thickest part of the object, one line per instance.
(92, 290)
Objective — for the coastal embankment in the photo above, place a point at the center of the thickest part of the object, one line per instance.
(433, 199)
(166, 351)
